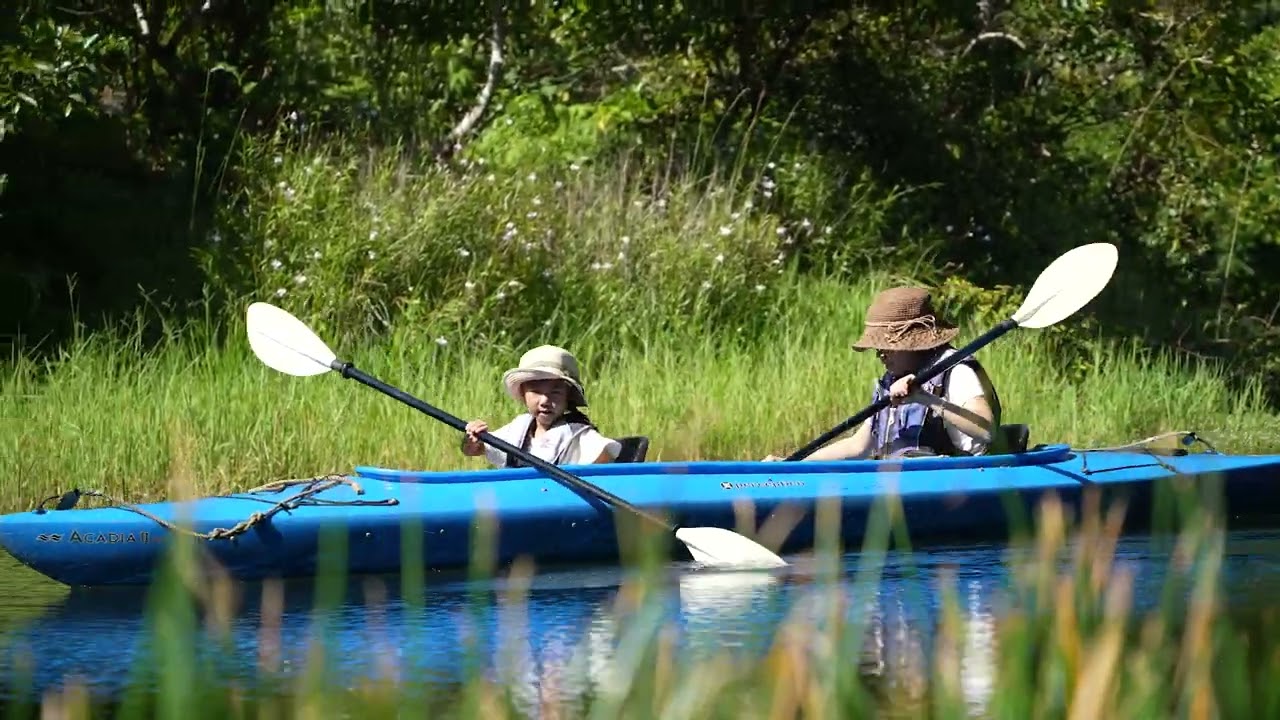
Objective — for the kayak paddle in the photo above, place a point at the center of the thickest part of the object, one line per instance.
(1068, 284)
(284, 343)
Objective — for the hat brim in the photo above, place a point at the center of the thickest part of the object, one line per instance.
(923, 339)
(516, 377)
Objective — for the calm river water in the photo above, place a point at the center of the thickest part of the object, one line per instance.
(566, 628)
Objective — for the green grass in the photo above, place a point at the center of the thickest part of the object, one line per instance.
(114, 417)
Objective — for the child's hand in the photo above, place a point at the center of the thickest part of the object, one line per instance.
(471, 444)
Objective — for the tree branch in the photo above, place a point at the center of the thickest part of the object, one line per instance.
(453, 141)
(984, 37)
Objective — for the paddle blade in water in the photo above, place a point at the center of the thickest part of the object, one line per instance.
(1067, 285)
(282, 342)
(724, 548)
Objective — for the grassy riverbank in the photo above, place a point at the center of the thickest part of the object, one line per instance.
(706, 314)
(112, 416)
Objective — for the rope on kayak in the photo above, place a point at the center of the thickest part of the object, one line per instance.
(1185, 437)
(315, 485)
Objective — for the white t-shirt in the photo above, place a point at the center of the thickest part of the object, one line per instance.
(564, 444)
(963, 385)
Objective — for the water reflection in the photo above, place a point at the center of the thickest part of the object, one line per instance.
(559, 634)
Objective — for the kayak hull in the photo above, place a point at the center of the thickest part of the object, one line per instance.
(537, 517)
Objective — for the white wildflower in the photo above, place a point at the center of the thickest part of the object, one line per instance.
(706, 284)
(442, 341)
(464, 252)
(720, 258)
(531, 214)
(315, 255)
(499, 295)
(279, 160)
(373, 234)
(514, 284)
(782, 230)
(575, 167)
(806, 224)
(469, 285)
(626, 239)
(300, 279)
(373, 255)
(280, 292)
(533, 176)
(726, 230)
(759, 288)
(536, 201)
(276, 264)
(559, 184)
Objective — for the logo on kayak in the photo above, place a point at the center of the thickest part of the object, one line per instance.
(49, 537)
(112, 538)
(757, 484)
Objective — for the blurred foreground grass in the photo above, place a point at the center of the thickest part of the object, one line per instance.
(1067, 644)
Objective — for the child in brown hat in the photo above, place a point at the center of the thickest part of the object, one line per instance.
(553, 429)
(956, 413)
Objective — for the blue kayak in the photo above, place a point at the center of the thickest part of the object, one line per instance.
(276, 531)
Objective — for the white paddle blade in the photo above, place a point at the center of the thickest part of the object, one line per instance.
(719, 547)
(282, 342)
(1068, 284)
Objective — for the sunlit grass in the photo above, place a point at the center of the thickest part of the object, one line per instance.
(109, 415)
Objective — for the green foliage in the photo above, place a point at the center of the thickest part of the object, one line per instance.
(977, 139)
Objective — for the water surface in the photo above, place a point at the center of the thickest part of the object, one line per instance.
(566, 628)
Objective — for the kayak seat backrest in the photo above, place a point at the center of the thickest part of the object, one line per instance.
(634, 448)
(1016, 437)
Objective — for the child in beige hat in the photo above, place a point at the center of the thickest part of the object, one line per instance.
(553, 429)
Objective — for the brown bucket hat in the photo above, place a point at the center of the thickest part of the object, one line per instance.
(903, 319)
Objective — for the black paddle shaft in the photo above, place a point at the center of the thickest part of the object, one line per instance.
(347, 370)
(921, 377)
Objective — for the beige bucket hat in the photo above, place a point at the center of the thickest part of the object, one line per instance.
(546, 362)
(903, 319)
